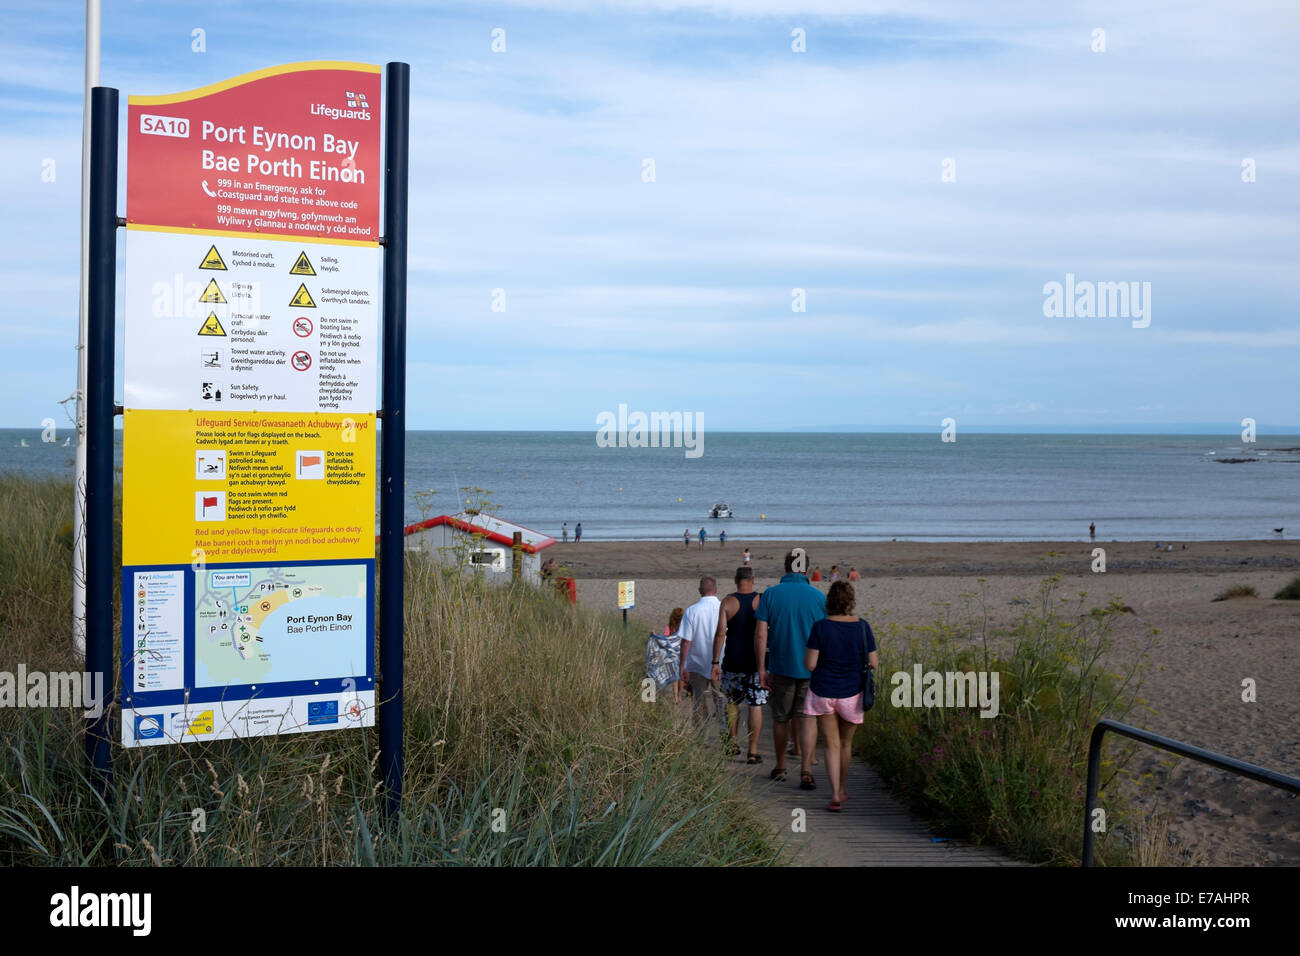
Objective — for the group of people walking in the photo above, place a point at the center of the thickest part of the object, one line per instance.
(803, 654)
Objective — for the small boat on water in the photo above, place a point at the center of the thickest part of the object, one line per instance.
(720, 510)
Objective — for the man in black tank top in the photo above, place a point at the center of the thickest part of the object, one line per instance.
(733, 651)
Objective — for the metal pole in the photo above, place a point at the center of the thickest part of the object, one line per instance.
(79, 469)
(101, 299)
(1090, 800)
(396, 105)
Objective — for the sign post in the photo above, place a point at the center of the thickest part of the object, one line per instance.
(397, 95)
(626, 598)
(252, 336)
(100, 305)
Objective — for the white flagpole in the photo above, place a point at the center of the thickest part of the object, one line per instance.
(79, 492)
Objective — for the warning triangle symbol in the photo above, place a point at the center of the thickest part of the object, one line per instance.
(213, 260)
(211, 325)
(303, 266)
(212, 293)
(302, 298)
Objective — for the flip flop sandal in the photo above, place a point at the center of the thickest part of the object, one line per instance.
(754, 758)
(834, 806)
(778, 773)
(806, 782)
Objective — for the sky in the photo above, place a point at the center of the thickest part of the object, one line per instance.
(921, 171)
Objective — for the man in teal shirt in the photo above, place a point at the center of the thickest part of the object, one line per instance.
(786, 614)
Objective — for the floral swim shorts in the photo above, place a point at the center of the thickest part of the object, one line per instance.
(743, 689)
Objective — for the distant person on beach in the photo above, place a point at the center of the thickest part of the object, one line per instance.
(1092, 530)
(739, 670)
(786, 614)
(703, 534)
(663, 657)
(817, 574)
(853, 574)
(686, 537)
(564, 531)
(835, 652)
(835, 573)
(744, 558)
(577, 534)
(722, 539)
(699, 663)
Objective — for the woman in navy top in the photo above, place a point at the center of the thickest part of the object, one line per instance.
(835, 653)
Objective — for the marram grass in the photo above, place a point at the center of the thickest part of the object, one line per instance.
(527, 743)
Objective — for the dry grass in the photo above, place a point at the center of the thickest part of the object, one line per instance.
(527, 742)
(1155, 846)
(1237, 591)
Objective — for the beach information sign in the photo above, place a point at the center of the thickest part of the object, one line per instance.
(252, 324)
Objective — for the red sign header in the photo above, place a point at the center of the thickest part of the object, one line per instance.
(291, 150)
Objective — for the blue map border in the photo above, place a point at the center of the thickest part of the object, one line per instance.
(326, 684)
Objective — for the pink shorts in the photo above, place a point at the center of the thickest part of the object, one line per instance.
(848, 708)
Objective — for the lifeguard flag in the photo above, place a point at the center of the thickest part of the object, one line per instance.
(310, 460)
(209, 502)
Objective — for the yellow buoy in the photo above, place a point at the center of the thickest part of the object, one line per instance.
(679, 499)
(762, 517)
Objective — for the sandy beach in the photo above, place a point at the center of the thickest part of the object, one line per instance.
(1203, 651)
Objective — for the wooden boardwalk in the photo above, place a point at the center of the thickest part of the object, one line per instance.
(873, 829)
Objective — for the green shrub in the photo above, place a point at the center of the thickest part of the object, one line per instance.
(1017, 779)
(1238, 591)
(1290, 592)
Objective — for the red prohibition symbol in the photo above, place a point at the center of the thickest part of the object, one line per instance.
(302, 326)
(301, 361)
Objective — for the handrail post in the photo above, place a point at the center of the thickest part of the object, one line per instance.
(1094, 777)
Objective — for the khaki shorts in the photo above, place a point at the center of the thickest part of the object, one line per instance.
(787, 696)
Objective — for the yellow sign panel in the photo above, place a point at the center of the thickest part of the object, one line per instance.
(213, 260)
(302, 298)
(212, 293)
(293, 486)
(200, 724)
(626, 594)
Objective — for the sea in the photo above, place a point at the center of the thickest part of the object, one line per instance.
(850, 486)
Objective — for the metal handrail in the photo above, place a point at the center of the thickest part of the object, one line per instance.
(1271, 777)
